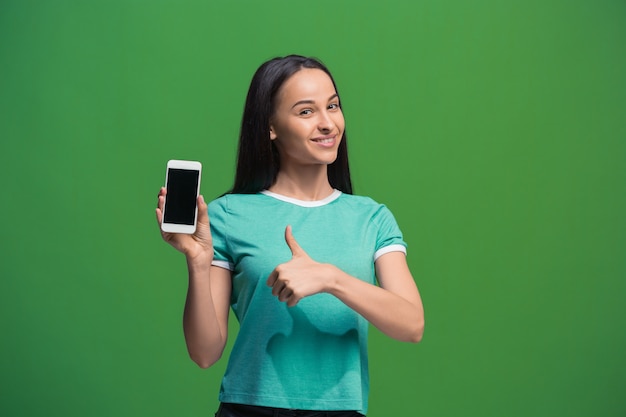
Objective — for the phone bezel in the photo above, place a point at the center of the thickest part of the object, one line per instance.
(174, 227)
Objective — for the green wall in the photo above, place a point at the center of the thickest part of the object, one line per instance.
(494, 130)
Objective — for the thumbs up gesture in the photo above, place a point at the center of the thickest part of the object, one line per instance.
(299, 277)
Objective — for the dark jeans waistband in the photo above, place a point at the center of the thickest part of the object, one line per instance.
(242, 410)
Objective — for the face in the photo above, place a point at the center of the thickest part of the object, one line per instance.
(307, 125)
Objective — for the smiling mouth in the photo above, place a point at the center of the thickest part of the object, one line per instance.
(325, 140)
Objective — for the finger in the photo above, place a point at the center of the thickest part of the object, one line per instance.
(292, 300)
(291, 242)
(161, 198)
(284, 294)
(278, 288)
(160, 203)
(159, 209)
(272, 278)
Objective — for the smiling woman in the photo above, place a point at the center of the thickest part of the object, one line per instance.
(303, 304)
(307, 126)
(259, 162)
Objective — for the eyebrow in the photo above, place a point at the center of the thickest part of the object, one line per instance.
(312, 101)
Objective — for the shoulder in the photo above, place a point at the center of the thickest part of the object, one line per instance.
(239, 205)
(364, 204)
(231, 201)
(371, 211)
(359, 201)
(218, 206)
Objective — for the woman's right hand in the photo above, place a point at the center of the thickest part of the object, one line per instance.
(198, 244)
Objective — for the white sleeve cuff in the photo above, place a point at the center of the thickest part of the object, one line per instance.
(391, 248)
(223, 264)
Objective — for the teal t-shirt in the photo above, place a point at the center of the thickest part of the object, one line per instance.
(312, 356)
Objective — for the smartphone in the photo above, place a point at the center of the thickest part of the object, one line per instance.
(182, 181)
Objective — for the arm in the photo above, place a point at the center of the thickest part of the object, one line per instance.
(395, 307)
(205, 319)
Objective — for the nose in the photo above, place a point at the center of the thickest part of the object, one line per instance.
(325, 122)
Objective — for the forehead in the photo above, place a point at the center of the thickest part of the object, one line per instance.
(308, 83)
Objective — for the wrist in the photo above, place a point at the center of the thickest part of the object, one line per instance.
(335, 277)
(200, 261)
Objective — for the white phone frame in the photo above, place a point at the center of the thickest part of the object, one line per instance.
(174, 227)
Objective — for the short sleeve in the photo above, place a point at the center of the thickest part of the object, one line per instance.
(389, 237)
(218, 215)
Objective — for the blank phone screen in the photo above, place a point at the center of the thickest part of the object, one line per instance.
(180, 201)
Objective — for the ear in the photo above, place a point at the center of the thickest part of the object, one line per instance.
(273, 135)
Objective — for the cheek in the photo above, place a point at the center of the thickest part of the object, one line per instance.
(340, 122)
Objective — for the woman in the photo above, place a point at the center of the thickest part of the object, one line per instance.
(296, 256)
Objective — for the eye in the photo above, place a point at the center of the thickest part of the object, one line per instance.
(305, 112)
(333, 106)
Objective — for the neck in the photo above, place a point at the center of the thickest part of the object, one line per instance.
(309, 183)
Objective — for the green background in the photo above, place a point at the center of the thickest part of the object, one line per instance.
(494, 130)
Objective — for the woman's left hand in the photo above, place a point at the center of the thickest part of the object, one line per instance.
(394, 307)
(299, 277)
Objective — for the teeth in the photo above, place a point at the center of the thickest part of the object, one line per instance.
(325, 140)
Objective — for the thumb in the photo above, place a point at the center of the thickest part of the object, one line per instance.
(203, 216)
(296, 250)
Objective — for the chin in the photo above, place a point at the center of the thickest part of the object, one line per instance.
(330, 159)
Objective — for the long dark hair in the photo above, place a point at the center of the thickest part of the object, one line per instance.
(258, 160)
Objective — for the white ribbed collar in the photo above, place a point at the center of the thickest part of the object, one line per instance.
(304, 203)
